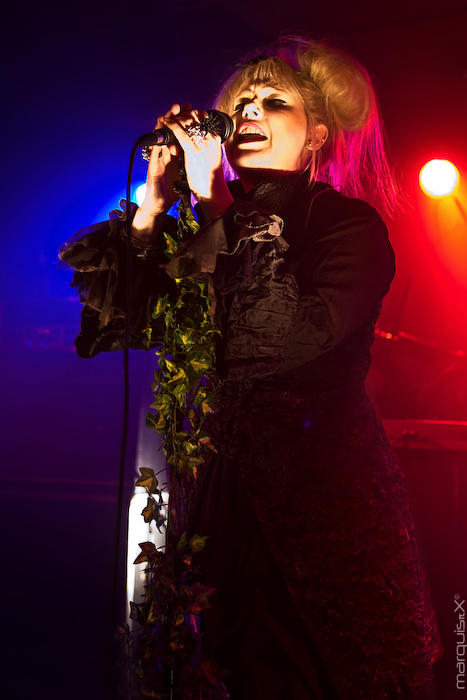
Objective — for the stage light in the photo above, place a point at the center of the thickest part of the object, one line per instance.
(139, 194)
(140, 531)
(138, 197)
(438, 178)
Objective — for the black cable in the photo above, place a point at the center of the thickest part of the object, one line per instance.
(115, 612)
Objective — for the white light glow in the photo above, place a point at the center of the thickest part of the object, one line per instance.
(139, 531)
(438, 178)
(139, 194)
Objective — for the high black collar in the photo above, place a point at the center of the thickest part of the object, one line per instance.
(288, 195)
(281, 193)
(272, 181)
(277, 188)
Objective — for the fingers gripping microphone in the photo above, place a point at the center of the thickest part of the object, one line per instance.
(215, 122)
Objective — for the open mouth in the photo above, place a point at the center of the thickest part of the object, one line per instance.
(248, 137)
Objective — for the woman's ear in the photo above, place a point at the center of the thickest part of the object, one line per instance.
(318, 137)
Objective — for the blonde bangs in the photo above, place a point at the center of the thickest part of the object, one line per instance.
(270, 71)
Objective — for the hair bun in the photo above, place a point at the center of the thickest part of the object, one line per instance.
(345, 85)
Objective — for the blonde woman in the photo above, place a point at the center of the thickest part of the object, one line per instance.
(320, 591)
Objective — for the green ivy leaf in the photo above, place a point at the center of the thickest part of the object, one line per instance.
(190, 447)
(147, 479)
(161, 422)
(148, 511)
(198, 543)
(201, 394)
(162, 403)
(200, 366)
(206, 407)
(148, 553)
(151, 421)
(185, 337)
(161, 306)
(182, 542)
(169, 365)
(180, 375)
(171, 244)
(156, 422)
(206, 442)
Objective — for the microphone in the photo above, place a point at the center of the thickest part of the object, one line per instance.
(215, 122)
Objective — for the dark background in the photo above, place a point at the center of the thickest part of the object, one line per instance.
(81, 82)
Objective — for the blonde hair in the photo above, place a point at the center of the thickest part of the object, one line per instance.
(336, 91)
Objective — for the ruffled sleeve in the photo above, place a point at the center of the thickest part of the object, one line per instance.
(100, 256)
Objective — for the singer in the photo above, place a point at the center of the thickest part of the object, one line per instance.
(320, 588)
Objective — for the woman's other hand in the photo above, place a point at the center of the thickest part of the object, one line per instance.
(163, 172)
(203, 159)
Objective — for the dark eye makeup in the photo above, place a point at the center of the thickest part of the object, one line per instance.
(268, 101)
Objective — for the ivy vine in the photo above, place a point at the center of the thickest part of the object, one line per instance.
(167, 655)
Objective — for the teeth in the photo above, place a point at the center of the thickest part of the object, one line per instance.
(251, 130)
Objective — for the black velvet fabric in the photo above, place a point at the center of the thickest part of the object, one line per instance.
(320, 588)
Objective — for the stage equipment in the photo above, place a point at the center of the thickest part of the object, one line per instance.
(439, 178)
(433, 458)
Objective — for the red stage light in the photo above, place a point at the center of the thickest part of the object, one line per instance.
(439, 178)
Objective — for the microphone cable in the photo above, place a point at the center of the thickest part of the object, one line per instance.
(115, 608)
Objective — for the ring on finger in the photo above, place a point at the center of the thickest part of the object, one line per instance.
(147, 150)
(197, 133)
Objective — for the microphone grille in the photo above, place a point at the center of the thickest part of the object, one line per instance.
(220, 123)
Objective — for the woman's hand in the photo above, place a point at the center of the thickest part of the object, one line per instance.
(163, 172)
(203, 159)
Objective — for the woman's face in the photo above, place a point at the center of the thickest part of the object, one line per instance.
(271, 131)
